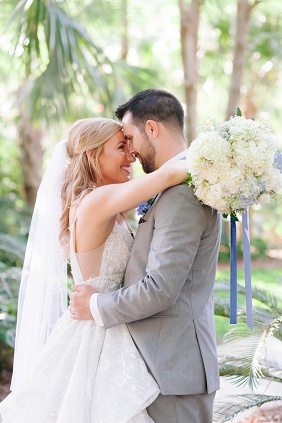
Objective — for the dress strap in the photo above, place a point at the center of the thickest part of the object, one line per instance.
(129, 227)
(77, 273)
(74, 219)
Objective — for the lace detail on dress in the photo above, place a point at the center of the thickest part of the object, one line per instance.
(114, 260)
(116, 252)
(105, 283)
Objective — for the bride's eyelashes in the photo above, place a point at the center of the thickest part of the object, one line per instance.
(122, 146)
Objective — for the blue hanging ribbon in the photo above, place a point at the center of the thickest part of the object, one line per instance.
(233, 272)
(247, 268)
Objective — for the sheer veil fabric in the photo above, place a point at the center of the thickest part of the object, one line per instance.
(43, 288)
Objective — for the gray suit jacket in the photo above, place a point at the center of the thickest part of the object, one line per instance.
(167, 299)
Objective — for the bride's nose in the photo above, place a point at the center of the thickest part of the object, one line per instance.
(130, 156)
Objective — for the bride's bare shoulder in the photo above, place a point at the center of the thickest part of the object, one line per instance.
(93, 207)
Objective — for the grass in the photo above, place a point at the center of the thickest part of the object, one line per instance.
(268, 279)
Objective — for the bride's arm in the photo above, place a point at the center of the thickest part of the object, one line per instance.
(116, 198)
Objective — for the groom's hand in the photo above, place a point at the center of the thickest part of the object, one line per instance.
(80, 302)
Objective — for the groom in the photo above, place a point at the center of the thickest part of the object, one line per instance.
(167, 298)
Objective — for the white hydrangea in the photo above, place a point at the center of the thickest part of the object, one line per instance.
(232, 164)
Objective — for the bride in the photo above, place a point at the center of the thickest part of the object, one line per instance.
(83, 373)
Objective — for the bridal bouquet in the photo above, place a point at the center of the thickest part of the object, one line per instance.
(235, 164)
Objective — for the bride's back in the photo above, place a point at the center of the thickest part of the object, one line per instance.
(103, 267)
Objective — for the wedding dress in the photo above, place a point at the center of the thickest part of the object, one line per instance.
(86, 373)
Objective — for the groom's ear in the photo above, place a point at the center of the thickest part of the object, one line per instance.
(152, 129)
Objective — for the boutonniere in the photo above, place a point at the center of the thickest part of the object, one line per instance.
(143, 208)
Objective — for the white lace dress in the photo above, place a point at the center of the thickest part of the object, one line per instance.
(86, 373)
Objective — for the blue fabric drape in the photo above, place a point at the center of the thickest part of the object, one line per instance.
(233, 272)
(247, 268)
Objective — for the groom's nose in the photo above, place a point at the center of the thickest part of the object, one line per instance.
(131, 150)
(130, 157)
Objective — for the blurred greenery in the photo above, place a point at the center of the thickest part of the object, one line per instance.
(9, 286)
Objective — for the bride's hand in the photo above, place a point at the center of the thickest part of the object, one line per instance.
(178, 169)
(80, 302)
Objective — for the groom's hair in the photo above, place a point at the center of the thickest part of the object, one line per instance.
(155, 104)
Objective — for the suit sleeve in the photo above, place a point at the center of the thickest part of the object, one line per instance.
(180, 221)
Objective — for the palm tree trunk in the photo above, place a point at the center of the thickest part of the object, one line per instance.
(189, 25)
(244, 10)
(31, 157)
(124, 37)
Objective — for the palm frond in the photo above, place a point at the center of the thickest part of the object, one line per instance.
(272, 371)
(28, 18)
(246, 363)
(9, 282)
(9, 287)
(235, 368)
(225, 411)
(265, 297)
(60, 57)
(15, 217)
(221, 307)
(8, 329)
(13, 247)
(266, 322)
(268, 298)
(64, 65)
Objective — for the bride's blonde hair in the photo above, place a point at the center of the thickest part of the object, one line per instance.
(80, 175)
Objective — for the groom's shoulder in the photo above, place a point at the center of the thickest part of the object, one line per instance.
(182, 197)
(177, 199)
(179, 193)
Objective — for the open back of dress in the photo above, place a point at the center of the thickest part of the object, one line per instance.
(90, 262)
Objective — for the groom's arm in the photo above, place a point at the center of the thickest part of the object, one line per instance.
(180, 221)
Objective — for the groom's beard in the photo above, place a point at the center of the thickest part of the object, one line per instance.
(148, 155)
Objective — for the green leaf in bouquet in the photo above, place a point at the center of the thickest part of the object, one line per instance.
(189, 179)
(238, 112)
(234, 217)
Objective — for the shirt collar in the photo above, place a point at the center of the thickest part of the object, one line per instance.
(179, 156)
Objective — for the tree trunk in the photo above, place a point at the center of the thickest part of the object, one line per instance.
(244, 10)
(124, 27)
(189, 25)
(31, 156)
(249, 106)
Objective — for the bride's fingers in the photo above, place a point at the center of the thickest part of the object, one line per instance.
(71, 309)
(77, 288)
(72, 296)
